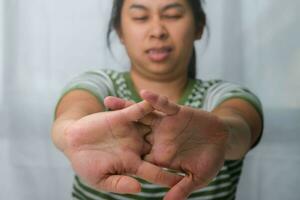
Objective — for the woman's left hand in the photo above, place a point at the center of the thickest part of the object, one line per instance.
(185, 139)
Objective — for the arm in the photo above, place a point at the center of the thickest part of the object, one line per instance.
(73, 106)
(244, 126)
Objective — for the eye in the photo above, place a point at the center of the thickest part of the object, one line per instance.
(172, 16)
(143, 18)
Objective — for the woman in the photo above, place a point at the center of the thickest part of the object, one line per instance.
(199, 129)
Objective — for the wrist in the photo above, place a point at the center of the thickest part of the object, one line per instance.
(59, 131)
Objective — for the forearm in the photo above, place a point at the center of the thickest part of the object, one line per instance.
(71, 108)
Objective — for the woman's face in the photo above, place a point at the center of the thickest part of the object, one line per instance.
(158, 36)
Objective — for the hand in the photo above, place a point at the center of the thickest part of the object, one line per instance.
(189, 140)
(184, 139)
(105, 150)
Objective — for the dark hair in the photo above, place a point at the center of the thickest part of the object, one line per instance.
(199, 18)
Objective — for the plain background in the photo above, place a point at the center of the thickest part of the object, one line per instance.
(43, 43)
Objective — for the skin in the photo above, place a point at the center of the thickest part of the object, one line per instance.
(149, 24)
(162, 133)
(105, 148)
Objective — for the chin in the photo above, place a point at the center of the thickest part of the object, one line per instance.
(161, 68)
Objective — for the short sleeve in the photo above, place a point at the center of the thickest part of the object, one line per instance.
(98, 83)
(223, 91)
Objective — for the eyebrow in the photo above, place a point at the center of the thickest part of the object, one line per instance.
(163, 9)
(172, 5)
(137, 6)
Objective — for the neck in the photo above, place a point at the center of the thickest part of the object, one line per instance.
(173, 88)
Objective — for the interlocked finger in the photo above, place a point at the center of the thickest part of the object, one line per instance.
(137, 111)
(143, 129)
(149, 119)
(115, 103)
(160, 103)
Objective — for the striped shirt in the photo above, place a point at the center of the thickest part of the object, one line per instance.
(198, 94)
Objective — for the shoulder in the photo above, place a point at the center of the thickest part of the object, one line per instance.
(100, 82)
(196, 92)
(99, 75)
(206, 84)
(101, 72)
(222, 90)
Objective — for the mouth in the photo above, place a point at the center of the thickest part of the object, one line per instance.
(159, 54)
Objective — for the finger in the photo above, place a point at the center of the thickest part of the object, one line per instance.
(143, 129)
(137, 111)
(149, 158)
(148, 119)
(181, 190)
(146, 149)
(120, 184)
(150, 138)
(115, 103)
(157, 175)
(160, 103)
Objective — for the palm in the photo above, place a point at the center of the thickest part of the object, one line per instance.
(187, 134)
(106, 148)
(191, 141)
(188, 140)
(100, 166)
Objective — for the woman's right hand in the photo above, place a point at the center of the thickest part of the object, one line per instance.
(105, 150)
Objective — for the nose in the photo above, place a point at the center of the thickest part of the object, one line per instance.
(158, 30)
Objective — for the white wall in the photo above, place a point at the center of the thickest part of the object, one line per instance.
(1, 51)
(271, 37)
(252, 42)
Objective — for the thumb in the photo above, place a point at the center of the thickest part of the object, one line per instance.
(181, 190)
(119, 184)
(115, 103)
